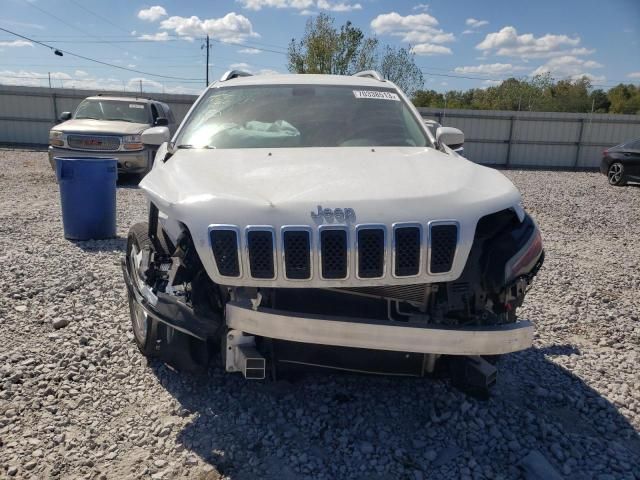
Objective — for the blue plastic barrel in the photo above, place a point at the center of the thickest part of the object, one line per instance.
(87, 196)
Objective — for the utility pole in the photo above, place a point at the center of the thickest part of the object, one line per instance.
(207, 46)
(140, 87)
(49, 79)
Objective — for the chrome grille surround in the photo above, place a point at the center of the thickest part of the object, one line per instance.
(430, 226)
(236, 230)
(247, 253)
(339, 228)
(385, 247)
(99, 143)
(352, 253)
(423, 243)
(283, 254)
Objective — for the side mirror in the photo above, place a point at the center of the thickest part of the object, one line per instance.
(451, 137)
(156, 136)
(161, 122)
(64, 116)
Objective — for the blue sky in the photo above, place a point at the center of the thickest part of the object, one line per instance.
(484, 41)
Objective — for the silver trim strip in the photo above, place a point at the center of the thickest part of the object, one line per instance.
(494, 340)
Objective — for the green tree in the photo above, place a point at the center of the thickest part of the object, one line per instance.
(599, 101)
(571, 95)
(325, 49)
(399, 66)
(624, 99)
(428, 98)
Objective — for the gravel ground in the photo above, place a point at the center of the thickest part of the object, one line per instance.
(77, 400)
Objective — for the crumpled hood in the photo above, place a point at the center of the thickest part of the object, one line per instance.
(282, 187)
(88, 126)
(380, 184)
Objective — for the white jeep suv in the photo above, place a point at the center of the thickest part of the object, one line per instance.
(314, 219)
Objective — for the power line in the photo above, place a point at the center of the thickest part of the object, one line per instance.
(94, 60)
(105, 19)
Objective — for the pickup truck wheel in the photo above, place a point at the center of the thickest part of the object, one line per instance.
(616, 175)
(144, 328)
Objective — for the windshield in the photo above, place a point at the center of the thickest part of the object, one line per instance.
(125, 111)
(284, 116)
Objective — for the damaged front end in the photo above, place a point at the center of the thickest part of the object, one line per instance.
(377, 329)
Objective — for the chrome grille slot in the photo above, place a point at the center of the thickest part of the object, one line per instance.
(297, 254)
(407, 244)
(444, 239)
(370, 251)
(224, 243)
(103, 143)
(260, 246)
(334, 253)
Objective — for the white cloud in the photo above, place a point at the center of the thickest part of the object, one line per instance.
(16, 44)
(428, 49)
(474, 23)
(420, 30)
(152, 14)
(338, 7)
(240, 66)
(394, 22)
(571, 67)
(469, 32)
(230, 28)
(305, 6)
(249, 51)
(507, 42)
(634, 75)
(422, 7)
(156, 37)
(82, 80)
(489, 69)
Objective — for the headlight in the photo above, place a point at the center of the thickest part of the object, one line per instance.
(524, 261)
(132, 142)
(56, 138)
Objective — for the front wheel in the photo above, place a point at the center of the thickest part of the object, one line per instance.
(616, 174)
(144, 328)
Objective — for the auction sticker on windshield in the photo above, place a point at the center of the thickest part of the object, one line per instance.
(376, 95)
(136, 105)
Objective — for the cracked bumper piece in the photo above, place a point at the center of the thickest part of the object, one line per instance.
(489, 340)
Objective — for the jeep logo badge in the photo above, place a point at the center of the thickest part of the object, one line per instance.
(339, 215)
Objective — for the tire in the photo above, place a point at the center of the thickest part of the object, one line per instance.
(616, 175)
(144, 328)
(155, 339)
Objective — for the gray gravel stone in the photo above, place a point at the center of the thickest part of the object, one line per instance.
(96, 405)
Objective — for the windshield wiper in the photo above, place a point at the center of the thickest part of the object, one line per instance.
(188, 146)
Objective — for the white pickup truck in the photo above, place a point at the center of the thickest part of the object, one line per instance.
(315, 220)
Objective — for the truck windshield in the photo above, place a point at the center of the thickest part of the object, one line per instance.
(285, 116)
(115, 110)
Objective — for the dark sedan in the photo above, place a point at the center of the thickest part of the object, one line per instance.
(622, 163)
